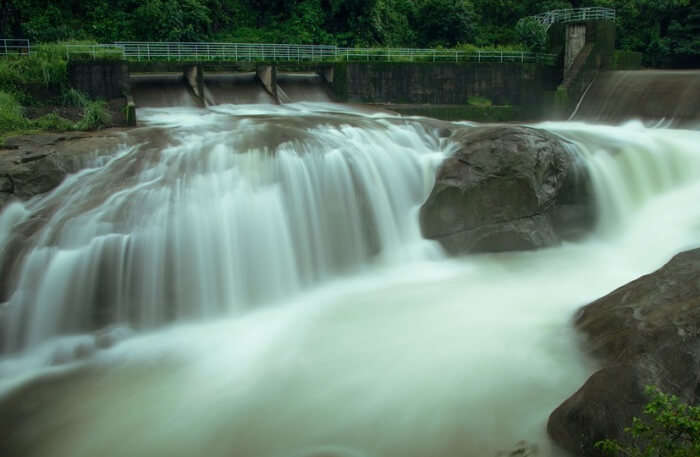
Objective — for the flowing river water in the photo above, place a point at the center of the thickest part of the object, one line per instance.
(262, 272)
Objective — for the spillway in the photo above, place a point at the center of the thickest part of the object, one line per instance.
(304, 87)
(162, 90)
(235, 88)
(261, 273)
(657, 97)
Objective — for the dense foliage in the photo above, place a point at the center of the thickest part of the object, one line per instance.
(670, 428)
(666, 31)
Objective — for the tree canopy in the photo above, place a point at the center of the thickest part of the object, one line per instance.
(666, 31)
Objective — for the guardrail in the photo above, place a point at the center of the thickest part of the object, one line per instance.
(574, 15)
(94, 50)
(10, 46)
(251, 52)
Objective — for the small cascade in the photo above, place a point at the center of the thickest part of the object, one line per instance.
(162, 90)
(235, 88)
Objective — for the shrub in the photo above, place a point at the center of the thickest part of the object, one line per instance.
(481, 102)
(11, 114)
(670, 428)
(95, 116)
(54, 122)
(72, 97)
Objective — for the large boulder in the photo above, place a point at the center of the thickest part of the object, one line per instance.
(645, 333)
(507, 188)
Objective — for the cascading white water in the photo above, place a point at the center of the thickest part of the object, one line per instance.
(369, 343)
(218, 221)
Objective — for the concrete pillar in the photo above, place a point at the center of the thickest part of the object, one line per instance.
(267, 75)
(194, 76)
(575, 41)
(327, 73)
(130, 111)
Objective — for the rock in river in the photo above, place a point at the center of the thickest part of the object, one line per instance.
(645, 333)
(507, 188)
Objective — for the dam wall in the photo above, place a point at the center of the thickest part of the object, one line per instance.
(529, 87)
(106, 79)
(667, 97)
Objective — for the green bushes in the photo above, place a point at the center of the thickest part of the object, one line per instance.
(12, 119)
(46, 67)
(95, 116)
(53, 122)
(670, 428)
(11, 114)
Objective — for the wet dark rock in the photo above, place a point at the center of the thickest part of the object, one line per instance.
(645, 333)
(444, 132)
(31, 165)
(522, 449)
(507, 188)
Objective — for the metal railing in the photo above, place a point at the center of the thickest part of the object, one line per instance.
(94, 50)
(251, 52)
(10, 47)
(574, 15)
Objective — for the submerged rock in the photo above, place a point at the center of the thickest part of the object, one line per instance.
(645, 333)
(507, 188)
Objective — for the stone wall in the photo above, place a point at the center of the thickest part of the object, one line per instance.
(527, 86)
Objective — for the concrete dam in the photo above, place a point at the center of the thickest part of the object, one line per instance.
(667, 97)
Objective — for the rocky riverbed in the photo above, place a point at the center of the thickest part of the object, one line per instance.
(34, 164)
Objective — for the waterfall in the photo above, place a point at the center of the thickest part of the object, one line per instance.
(227, 215)
(281, 301)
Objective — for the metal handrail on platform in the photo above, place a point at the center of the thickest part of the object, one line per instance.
(549, 18)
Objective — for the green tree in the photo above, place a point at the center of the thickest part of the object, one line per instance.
(670, 428)
(446, 22)
(532, 34)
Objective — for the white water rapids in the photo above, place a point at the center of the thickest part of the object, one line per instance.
(281, 301)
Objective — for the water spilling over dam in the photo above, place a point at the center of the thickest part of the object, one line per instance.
(658, 97)
(263, 272)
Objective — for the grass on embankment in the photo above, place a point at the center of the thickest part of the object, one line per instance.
(14, 122)
(40, 81)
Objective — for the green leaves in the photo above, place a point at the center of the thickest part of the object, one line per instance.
(670, 428)
(531, 34)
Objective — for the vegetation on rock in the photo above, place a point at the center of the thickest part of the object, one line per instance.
(670, 428)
